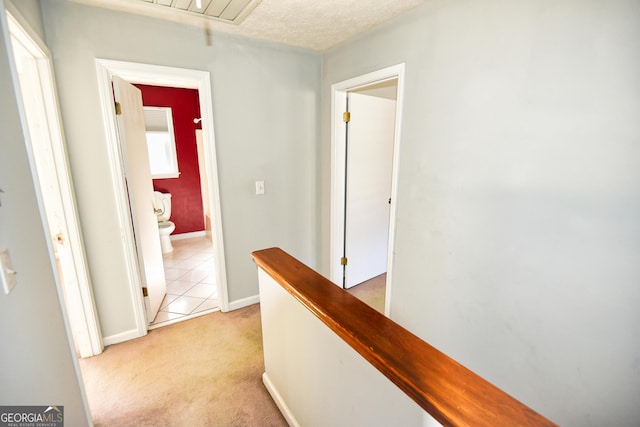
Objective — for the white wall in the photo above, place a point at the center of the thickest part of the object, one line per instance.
(517, 245)
(320, 379)
(37, 366)
(30, 10)
(266, 101)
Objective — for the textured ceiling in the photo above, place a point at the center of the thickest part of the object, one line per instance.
(310, 24)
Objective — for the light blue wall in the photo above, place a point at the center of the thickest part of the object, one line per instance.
(37, 366)
(518, 242)
(30, 10)
(265, 107)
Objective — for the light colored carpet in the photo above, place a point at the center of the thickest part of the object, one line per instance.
(372, 292)
(201, 372)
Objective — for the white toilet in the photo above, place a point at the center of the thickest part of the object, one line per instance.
(166, 227)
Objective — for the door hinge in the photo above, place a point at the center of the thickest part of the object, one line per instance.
(346, 117)
(343, 260)
(118, 109)
(145, 291)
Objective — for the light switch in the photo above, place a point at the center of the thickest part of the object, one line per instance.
(259, 187)
(7, 274)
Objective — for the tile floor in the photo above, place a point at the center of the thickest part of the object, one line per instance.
(191, 282)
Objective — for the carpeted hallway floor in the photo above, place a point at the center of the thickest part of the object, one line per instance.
(201, 372)
(372, 292)
(205, 371)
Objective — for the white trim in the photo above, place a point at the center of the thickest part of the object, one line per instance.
(89, 340)
(189, 235)
(121, 337)
(180, 319)
(116, 165)
(244, 302)
(280, 403)
(8, 11)
(336, 226)
(338, 100)
(173, 77)
(24, 24)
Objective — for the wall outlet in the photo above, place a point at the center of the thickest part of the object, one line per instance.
(259, 187)
(7, 274)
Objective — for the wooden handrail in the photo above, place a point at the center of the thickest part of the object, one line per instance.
(451, 393)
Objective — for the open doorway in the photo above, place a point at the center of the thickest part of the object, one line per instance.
(170, 77)
(366, 113)
(47, 152)
(176, 157)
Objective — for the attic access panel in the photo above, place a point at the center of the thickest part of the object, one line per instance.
(229, 11)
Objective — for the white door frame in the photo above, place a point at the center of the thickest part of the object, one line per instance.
(88, 339)
(338, 130)
(172, 77)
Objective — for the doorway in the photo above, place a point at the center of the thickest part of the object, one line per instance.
(369, 158)
(171, 77)
(45, 145)
(364, 167)
(176, 157)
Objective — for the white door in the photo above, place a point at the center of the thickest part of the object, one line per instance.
(44, 137)
(371, 132)
(131, 133)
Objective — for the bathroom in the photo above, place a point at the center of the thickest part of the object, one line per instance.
(186, 232)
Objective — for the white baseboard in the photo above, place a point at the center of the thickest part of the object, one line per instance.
(121, 337)
(244, 302)
(280, 403)
(188, 235)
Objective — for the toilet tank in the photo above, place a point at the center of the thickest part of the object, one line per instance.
(162, 205)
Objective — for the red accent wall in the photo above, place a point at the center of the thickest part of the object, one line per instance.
(186, 197)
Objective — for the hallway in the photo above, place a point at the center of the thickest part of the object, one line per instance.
(202, 372)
